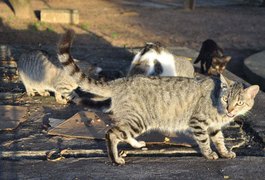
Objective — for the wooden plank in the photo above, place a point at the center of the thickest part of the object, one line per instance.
(70, 16)
(11, 63)
(9, 95)
(84, 124)
(68, 153)
(90, 125)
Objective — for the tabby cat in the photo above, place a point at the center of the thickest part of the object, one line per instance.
(155, 60)
(140, 104)
(209, 51)
(41, 73)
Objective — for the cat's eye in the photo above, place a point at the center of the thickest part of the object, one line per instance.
(225, 98)
(240, 103)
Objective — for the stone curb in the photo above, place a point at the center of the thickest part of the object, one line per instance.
(254, 69)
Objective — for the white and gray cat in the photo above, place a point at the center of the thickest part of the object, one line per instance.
(156, 60)
(141, 104)
(42, 73)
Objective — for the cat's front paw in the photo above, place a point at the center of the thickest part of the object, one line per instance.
(62, 101)
(139, 144)
(31, 94)
(45, 93)
(142, 144)
(119, 161)
(229, 155)
(211, 156)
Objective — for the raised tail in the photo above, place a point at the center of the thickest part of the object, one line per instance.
(85, 83)
(197, 60)
(201, 55)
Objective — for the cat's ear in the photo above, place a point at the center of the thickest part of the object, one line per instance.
(225, 82)
(252, 91)
(227, 58)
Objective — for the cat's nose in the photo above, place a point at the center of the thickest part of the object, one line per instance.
(230, 109)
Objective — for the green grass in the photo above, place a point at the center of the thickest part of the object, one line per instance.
(38, 25)
(50, 29)
(114, 35)
(10, 18)
(41, 26)
(84, 26)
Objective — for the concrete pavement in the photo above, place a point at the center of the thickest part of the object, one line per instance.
(137, 168)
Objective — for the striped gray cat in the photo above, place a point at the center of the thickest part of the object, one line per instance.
(43, 73)
(140, 104)
(155, 60)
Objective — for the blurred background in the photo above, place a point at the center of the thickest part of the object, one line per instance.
(238, 26)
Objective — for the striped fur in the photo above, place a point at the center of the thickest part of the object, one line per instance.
(140, 104)
(42, 73)
(155, 60)
(87, 84)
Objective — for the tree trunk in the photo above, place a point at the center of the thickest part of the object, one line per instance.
(22, 8)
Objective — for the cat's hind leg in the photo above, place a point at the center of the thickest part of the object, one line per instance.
(218, 140)
(113, 137)
(124, 133)
(120, 134)
(30, 91)
(28, 85)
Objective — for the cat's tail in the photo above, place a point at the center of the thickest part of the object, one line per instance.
(197, 60)
(85, 83)
(201, 55)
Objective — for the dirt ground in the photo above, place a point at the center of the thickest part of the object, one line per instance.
(131, 23)
(239, 29)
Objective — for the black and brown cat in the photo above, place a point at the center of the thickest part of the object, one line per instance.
(212, 58)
